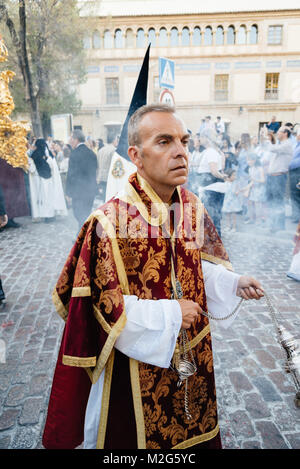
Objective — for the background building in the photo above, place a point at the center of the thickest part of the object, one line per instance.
(242, 64)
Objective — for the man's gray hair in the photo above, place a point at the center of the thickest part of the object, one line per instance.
(135, 119)
(77, 134)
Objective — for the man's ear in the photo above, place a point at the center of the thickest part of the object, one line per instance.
(134, 154)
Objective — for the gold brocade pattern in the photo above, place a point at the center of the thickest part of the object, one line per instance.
(147, 264)
(113, 259)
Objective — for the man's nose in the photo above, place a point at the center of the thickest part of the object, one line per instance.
(180, 149)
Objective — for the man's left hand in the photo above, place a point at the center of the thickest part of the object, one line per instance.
(249, 288)
(3, 220)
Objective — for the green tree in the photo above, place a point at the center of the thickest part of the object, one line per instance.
(45, 44)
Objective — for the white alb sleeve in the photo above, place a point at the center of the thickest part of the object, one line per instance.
(220, 287)
(151, 330)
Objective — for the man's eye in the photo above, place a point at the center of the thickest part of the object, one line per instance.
(163, 142)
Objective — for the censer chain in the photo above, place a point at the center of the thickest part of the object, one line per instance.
(286, 340)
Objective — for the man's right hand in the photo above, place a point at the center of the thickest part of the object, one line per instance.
(190, 311)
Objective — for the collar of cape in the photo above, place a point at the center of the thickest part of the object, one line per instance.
(138, 192)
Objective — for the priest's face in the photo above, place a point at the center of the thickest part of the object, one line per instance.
(161, 156)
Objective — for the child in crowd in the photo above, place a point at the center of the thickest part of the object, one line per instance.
(232, 202)
(256, 190)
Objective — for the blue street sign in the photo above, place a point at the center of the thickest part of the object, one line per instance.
(166, 73)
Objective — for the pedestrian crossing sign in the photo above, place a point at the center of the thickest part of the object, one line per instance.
(166, 73)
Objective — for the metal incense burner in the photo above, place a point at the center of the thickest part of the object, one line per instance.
(186, 366)
(289, 344)
(291, 347)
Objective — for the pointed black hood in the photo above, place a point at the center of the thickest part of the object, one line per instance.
(139, 99)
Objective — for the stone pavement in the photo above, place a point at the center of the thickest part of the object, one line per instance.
(255, 395)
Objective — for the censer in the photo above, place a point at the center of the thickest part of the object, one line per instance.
(291, 347)
(184, 367)
(289, 344)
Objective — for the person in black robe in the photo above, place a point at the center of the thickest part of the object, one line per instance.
(81, 184)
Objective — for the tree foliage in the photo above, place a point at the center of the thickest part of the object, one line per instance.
(55, 55)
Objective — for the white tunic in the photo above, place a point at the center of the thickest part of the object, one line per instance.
(47, 195)
(152, 329)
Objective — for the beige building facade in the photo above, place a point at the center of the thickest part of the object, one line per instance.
(241, 65)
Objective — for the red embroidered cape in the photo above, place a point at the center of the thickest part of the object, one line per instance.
(125, 248)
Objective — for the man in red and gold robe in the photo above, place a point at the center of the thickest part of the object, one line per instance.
(116, 382)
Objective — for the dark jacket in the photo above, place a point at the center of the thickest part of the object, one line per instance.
(2, 203)
(81, 178)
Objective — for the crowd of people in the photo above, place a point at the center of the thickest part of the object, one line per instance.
(254, 177)
(249, 181)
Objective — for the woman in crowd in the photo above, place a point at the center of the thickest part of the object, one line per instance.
(231, 161)
(256, 190)
(242, 171)
(231, 205)
(47, 196)
(210, 171)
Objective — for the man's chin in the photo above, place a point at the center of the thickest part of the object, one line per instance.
(180, 180)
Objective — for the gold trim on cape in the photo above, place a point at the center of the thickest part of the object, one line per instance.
(198, 439)
(137, 403)
(105, 401)
(195, 341)
(216, 260)
(59, 306)
(79, 361)
(81, 291)
(101, 320)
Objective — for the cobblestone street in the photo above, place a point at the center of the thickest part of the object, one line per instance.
(255, 395)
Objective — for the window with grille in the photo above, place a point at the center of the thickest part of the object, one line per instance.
(275, 35)
(221, 87)
(271, 90)
(112, 90)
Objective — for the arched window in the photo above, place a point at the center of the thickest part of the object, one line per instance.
(97, 43)
(129, 38)
(208, 36)
(242, 35)
(152, 37)
(197, 36)
(118, 39)
(254, 34)
(174, 37)
(163, 37)
(231, 35)
(140, 38)
(185, 36)
(107, 40)
(86, 41)
(219, 36)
